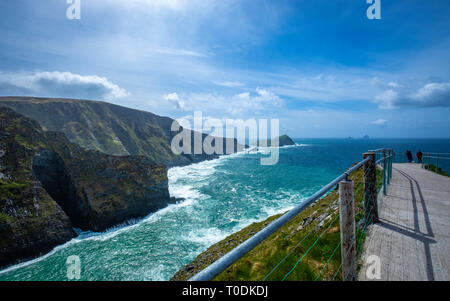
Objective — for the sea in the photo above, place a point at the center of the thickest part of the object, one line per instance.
(220, 197)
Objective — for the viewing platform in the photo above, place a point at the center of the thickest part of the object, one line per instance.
(412, 237)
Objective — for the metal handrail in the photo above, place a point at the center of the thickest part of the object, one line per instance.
(234, 255)
(380, 150)
(445, 154)
(382, 159)
(443, 158)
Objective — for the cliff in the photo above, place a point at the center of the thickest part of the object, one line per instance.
(96, 190)
(106, 127)
(49, 185)
(31, 222)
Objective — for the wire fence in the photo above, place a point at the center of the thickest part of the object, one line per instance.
(329, 264)
(330, 261)
(317, 253)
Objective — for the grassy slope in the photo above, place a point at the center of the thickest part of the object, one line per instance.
(318, 217)
(105, 127)
(432, 168)
(100, 126)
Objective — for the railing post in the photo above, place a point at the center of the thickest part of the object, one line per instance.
(392, 161)
(437, 163)
(384, 173)
(422, 161)
(390, 166)
(389, 163)
(370, 188)
(348, 230)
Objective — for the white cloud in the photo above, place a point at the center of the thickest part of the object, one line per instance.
(262, 96)
(387, 99)
(244, 96)
(153, 4)
(243, 105)
(393, 85)
(61, 84)
(380, 122)
(434, 94)
(179, 52)
(229, 84)
(431, 95)
(266, 96)
(174, 99)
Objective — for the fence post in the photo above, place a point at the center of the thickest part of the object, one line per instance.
(389, 163)
(370, 188)
(348, 229)
(437, 163)
(384, 173)
(422, 161)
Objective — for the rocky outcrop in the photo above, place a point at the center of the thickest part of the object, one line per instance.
(49, 185)
(283, 140)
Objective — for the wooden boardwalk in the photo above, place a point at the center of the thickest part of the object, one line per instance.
(412, 238)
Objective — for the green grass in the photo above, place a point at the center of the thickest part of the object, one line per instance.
(432, 168)
(4, 218)
(11, 189)
(320, 262)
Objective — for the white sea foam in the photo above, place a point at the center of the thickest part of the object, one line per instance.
(99, 236)
(206, 236)
(156, 273)
(184, 182)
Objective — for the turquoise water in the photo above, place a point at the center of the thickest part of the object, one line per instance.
(221, 196)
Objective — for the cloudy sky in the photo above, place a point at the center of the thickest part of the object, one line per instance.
(320, 66)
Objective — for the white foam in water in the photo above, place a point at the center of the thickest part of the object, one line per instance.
(206, 237)
(184, 182)
(195, 171)
(156, 273)
(99, 236)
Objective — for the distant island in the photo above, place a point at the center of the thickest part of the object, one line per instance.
(283, 140)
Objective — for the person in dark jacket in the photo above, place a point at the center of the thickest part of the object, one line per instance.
(409, 156)
(419, 156)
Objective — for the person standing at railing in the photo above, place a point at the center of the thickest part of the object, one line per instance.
(419, 156)
(409, 156)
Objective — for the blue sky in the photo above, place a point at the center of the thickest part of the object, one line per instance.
(321, 67)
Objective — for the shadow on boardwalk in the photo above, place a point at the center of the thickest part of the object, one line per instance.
(417, 202)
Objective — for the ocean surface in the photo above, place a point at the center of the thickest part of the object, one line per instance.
(222, 196)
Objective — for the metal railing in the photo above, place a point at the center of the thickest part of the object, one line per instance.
(431, 158)
(385, 157)
(381, 159)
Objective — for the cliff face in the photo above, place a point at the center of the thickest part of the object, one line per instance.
(105, 127)
(31, 222)
(96, 190)
(48, 185)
